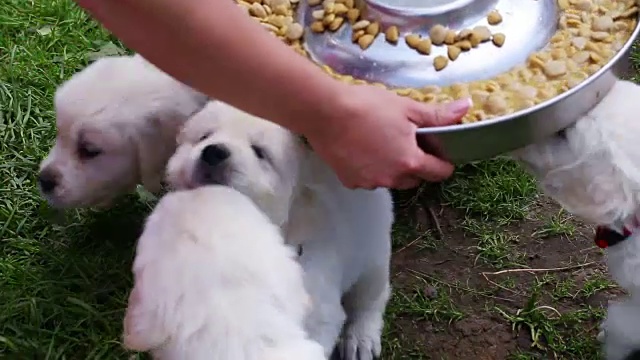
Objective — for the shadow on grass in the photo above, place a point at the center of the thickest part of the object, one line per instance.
(68, 294)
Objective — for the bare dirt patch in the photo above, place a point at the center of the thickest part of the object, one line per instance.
(532, 288)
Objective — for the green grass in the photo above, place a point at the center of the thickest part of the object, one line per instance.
(64, 278)
(496, 191)
(501, 214)
(558, 225)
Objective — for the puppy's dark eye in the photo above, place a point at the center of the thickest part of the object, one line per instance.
(562, 134)
(260, 154)
(88, 151)
(204, 137)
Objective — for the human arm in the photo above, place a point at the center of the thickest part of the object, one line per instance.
(366, 134)
(213, 46)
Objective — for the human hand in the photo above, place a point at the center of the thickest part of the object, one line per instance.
(368, 136)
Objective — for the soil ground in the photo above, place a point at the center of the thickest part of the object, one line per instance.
(519, 279)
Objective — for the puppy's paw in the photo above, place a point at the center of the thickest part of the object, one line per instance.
(298, 350)
(360, 345)
(143, 326)
(602, 333)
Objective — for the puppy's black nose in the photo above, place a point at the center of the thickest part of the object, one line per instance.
(214, 154)
(47, 181)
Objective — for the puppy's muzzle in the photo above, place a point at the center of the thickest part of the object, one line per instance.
(214, 155)
(48, 180)
(213, 164)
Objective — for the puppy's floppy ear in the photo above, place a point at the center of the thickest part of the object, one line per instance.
(144, 329)
(291, 181)
(154, 141)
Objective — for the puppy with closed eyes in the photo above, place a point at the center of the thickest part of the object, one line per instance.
(116, 121)
(213, 279)
(344, 234)
(592, 169)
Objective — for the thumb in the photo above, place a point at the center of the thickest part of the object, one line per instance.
(431, 168)
(429, 115)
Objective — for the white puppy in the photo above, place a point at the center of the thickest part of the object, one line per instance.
(345, 234)
(593, 170)
(117, 120)
(214, 280)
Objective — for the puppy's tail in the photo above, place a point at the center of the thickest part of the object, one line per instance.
(300, 350)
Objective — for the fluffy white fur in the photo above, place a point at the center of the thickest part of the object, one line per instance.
(345, 234)
(214, 280)
(117, 120)
(593, 170)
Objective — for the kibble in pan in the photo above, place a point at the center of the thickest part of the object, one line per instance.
(589, 34)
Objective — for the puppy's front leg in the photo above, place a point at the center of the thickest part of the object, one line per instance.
(326, 318)
(143, 328)
(622, 339)
(365, 304)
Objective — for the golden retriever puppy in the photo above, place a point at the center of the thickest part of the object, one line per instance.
(116, 126)
(592, 169)
(344, 234)
(215, 280)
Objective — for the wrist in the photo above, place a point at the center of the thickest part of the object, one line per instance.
(318, 108)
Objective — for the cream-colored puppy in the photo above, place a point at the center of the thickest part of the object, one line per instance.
(117, 120)
(214, 280)
(345, 234)
(593, 170)
(221, 145)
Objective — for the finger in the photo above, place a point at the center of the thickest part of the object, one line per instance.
(353, 185)
(427, 115)
(407, 182)
(432, 169)
(348, 183)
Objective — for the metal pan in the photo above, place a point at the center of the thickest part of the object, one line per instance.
(529, 24)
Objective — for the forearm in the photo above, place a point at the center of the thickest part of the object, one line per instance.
(213, 46)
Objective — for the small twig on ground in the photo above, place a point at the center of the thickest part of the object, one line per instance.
(501, 286)
(565, 268)
(435, 222)
(424, 199)
(409, 244)
(442, 262)
(422, 276)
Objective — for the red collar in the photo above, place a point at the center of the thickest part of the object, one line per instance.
(607, 237)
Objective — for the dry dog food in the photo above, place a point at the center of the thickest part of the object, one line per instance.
(440, 62)
(392, 34)
(494, 18)
(589, 33)
(499, 39)
(328, 18)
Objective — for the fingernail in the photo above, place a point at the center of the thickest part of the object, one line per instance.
(460, 106)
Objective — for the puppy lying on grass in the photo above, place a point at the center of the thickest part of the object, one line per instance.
(214, 280)
(117, 121)
(593, 170)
